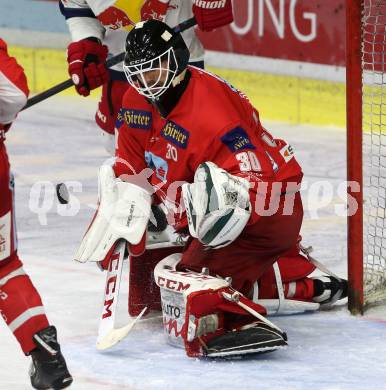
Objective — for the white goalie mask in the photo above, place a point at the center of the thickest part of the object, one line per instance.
(153, 77)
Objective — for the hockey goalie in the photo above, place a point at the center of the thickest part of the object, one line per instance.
(189, 140)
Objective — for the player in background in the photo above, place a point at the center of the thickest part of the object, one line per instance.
(20, 304)
(99, 28)
(190, 140)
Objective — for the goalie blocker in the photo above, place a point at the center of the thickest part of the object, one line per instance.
(207, 317)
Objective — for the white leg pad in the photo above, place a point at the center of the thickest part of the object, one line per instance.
(203, 314)
(175, 286)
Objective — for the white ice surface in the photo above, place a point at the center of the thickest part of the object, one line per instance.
(58, 141)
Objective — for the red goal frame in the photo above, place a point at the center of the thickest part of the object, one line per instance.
(354, 153)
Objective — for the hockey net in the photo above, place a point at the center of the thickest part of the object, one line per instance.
(374, 150)
(368, 280)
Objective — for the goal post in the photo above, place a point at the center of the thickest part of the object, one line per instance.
(354, 152)
(366, 151)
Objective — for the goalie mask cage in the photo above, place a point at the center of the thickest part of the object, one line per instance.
(366, 151)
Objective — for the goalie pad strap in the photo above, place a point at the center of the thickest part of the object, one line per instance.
(282, 288)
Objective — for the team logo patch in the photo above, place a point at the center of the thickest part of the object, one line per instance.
(158, 165)
(287, 153)
(175, 134)
(237, 139)
(136, 119)
(115, 18)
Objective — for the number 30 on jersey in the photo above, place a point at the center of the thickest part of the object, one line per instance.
(248, 161)
(171, 153)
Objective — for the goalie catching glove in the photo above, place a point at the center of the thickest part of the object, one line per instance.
(217, 205)
(123, 213)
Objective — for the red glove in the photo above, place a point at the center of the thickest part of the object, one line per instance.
(154, 9)
(211, 14)
(86, 66)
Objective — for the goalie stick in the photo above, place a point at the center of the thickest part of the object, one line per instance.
(108, 334)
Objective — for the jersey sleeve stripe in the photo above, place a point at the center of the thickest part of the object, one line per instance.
(68, 12)
(25, 316)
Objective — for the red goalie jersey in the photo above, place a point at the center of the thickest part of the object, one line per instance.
(211, 122)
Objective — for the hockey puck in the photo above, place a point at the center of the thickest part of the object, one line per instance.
(62, 193)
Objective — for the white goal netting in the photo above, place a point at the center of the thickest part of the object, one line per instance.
(374, 148)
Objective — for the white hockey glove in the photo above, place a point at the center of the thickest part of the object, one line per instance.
(217, 205)
(123, 213)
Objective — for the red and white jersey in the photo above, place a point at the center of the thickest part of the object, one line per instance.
(20, 304)
(109, 20)
(211, 122)
(13, 87)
